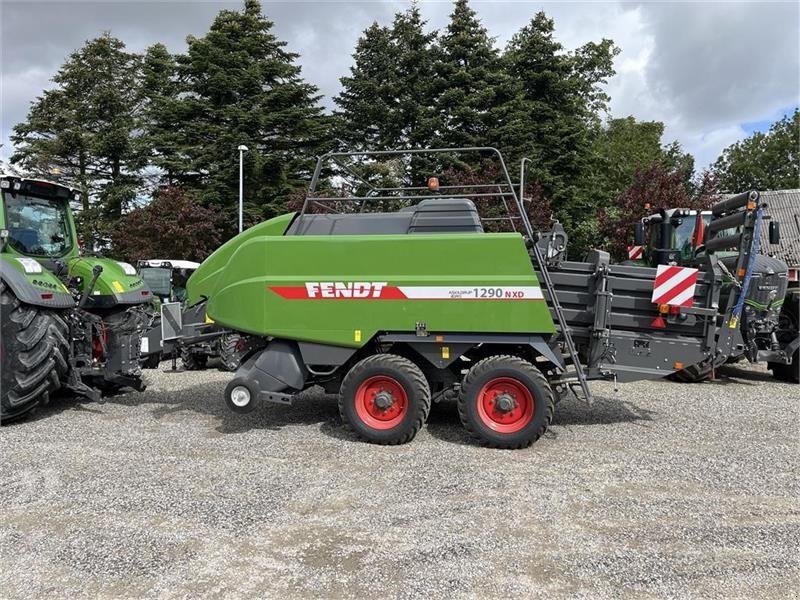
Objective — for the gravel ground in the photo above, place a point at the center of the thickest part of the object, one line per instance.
(659, 490)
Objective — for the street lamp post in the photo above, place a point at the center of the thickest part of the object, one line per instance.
(242, 149)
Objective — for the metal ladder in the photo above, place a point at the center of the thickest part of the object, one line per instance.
(565, 330)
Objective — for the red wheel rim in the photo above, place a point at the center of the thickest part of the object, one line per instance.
(381, 402)
(505, 405)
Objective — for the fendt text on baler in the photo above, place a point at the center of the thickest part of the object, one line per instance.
(394, 296)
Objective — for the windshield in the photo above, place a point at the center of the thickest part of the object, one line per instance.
(37, 226)
(158, 280)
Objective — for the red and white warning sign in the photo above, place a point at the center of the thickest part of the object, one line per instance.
(674, 285)
(635, 252)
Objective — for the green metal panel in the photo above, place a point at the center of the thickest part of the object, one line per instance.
(45, 281)
(113, 281)
(203, 281)
(297, 286)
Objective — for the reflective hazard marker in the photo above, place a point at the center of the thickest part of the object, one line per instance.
(674, 285)
(635, 252)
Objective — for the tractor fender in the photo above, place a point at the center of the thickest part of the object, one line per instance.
(37, 289)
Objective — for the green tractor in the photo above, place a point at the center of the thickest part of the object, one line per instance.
(769, 327)
(68, 319)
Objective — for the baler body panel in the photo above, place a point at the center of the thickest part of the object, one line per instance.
(342, 290)
(204, 280)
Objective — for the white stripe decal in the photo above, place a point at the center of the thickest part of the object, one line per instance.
(472, 293)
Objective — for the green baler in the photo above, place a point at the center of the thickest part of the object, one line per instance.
(415, 294)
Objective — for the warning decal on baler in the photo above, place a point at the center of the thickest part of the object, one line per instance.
(674, 285)
(361, 290)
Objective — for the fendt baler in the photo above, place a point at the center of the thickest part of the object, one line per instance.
(404, 295)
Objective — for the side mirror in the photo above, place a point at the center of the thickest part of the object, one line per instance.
(638, 234)
(4, 233)
(774, 232)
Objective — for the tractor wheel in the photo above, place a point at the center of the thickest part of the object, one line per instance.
(193, 361)
(693, 374)
(505, 402)
(385, 399)
(34, 351)
(229, 354)
(787, 332)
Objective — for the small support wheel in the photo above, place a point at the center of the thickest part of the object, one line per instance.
(385, 399)
(240, 396)
(505, 402)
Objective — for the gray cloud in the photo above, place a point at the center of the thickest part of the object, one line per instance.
(702, 68)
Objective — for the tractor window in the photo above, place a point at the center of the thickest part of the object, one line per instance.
(159, 280)
(37, 226)
(683, 236)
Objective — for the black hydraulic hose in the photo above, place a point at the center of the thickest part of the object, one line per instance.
(96, 270)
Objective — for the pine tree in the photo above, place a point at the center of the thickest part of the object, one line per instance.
(243, 87)
(555, 107)
(473, 85)
(161, 117)
(84, 129)
(388, 101)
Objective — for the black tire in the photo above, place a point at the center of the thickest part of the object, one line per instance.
(407, 393)
(35, 354)
(236, 392)
(152, 361)
(693, 374)
(788, 331)
(193, 361)
(229, 353)
(519, 375)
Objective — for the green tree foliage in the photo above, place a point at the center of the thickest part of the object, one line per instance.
(473, 86)
(241, 86)
(84, 129)
(161, 118)
(558, 99)
(388, 101)
(172, 225)
(763, 161)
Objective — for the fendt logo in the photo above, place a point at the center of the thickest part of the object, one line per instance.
(345, 289)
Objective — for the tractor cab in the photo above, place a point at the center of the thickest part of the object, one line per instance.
(676, 236)
(36, 220)
(167, 278)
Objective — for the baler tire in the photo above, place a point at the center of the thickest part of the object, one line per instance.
(410, 386)
(515, 372)
(692, 374)
(229, 355)
(193, 361)
(237, 406)
(34, 355)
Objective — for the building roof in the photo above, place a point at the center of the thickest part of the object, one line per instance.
(784, 207)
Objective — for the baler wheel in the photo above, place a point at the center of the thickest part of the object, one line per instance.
(240, 396)
(385, 399)
(505, 402)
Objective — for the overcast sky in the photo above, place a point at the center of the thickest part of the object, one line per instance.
(713, 72)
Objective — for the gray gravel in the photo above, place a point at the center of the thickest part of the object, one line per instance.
(662, 489)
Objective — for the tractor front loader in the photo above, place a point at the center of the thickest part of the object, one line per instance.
(68, 320)
(395, 296)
